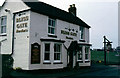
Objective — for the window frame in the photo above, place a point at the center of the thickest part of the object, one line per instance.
(51, 25)
(87, 53)
(82, 32)
(3, 25)
(47, 52)
(80, 54)
(58, 52)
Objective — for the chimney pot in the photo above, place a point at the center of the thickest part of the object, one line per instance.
(73, 5)
(72, 9)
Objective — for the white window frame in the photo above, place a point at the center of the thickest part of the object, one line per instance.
(56, 60)
(1, 31)
(52, 26)
(46, 52)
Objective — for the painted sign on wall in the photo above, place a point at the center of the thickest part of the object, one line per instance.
(22, 23)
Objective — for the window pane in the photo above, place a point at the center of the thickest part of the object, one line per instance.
(81, 32)
(86, 56)
(52, 31)
(47, 47)
(3, 29)
(47, 56)
(57, 48)
(49, 22)
(80, 55)
(86, 52)
(3, 20)
(49, 29)
(56, 56)
(57, 51)
(53, 23)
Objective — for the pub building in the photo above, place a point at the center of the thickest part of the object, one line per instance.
(40, 36)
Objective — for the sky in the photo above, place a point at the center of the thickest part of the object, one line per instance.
(101, 15)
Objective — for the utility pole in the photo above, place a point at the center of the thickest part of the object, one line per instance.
(104, 49)
(105, 46)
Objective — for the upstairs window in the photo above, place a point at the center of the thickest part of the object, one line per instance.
(81, 32)
(3, 24)
(51, 26)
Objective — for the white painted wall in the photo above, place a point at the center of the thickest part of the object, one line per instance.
(6, 46)
(21, 44)
(39, 25)
(39, 29)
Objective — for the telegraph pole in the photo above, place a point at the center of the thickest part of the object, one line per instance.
(105, 50)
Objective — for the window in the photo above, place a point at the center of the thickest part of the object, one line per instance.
(81, 32)
(3, 24)
(51, 26)
(86, 53)
(47, 52)
(57, 52)
(80, 54)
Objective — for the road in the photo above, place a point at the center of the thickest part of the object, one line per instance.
(95, 71)
(111, 72)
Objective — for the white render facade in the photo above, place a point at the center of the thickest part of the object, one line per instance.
(40, 41)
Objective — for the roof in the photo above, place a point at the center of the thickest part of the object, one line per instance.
(54, 12)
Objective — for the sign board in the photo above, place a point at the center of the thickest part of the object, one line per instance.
(35, 53)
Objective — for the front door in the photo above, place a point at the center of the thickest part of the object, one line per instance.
(71, 59)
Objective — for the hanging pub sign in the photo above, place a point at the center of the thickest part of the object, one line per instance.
(35, 53)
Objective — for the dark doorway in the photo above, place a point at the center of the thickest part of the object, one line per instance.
(71, 59)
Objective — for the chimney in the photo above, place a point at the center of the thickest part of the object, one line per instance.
(72, 9)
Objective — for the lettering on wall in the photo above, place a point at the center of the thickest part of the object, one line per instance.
(68, 34)
(22, 24)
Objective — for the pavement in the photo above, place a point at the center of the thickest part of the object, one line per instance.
(95, 71)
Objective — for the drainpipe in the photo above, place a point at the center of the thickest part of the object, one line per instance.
(13, 34)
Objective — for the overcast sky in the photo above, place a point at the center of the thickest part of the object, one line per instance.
(101, 15)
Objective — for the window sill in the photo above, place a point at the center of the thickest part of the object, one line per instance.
(52, 35)
(87, 61)
(80, 61)
(3, 34)
(46, 62)
(58, 63)
(82, 40)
